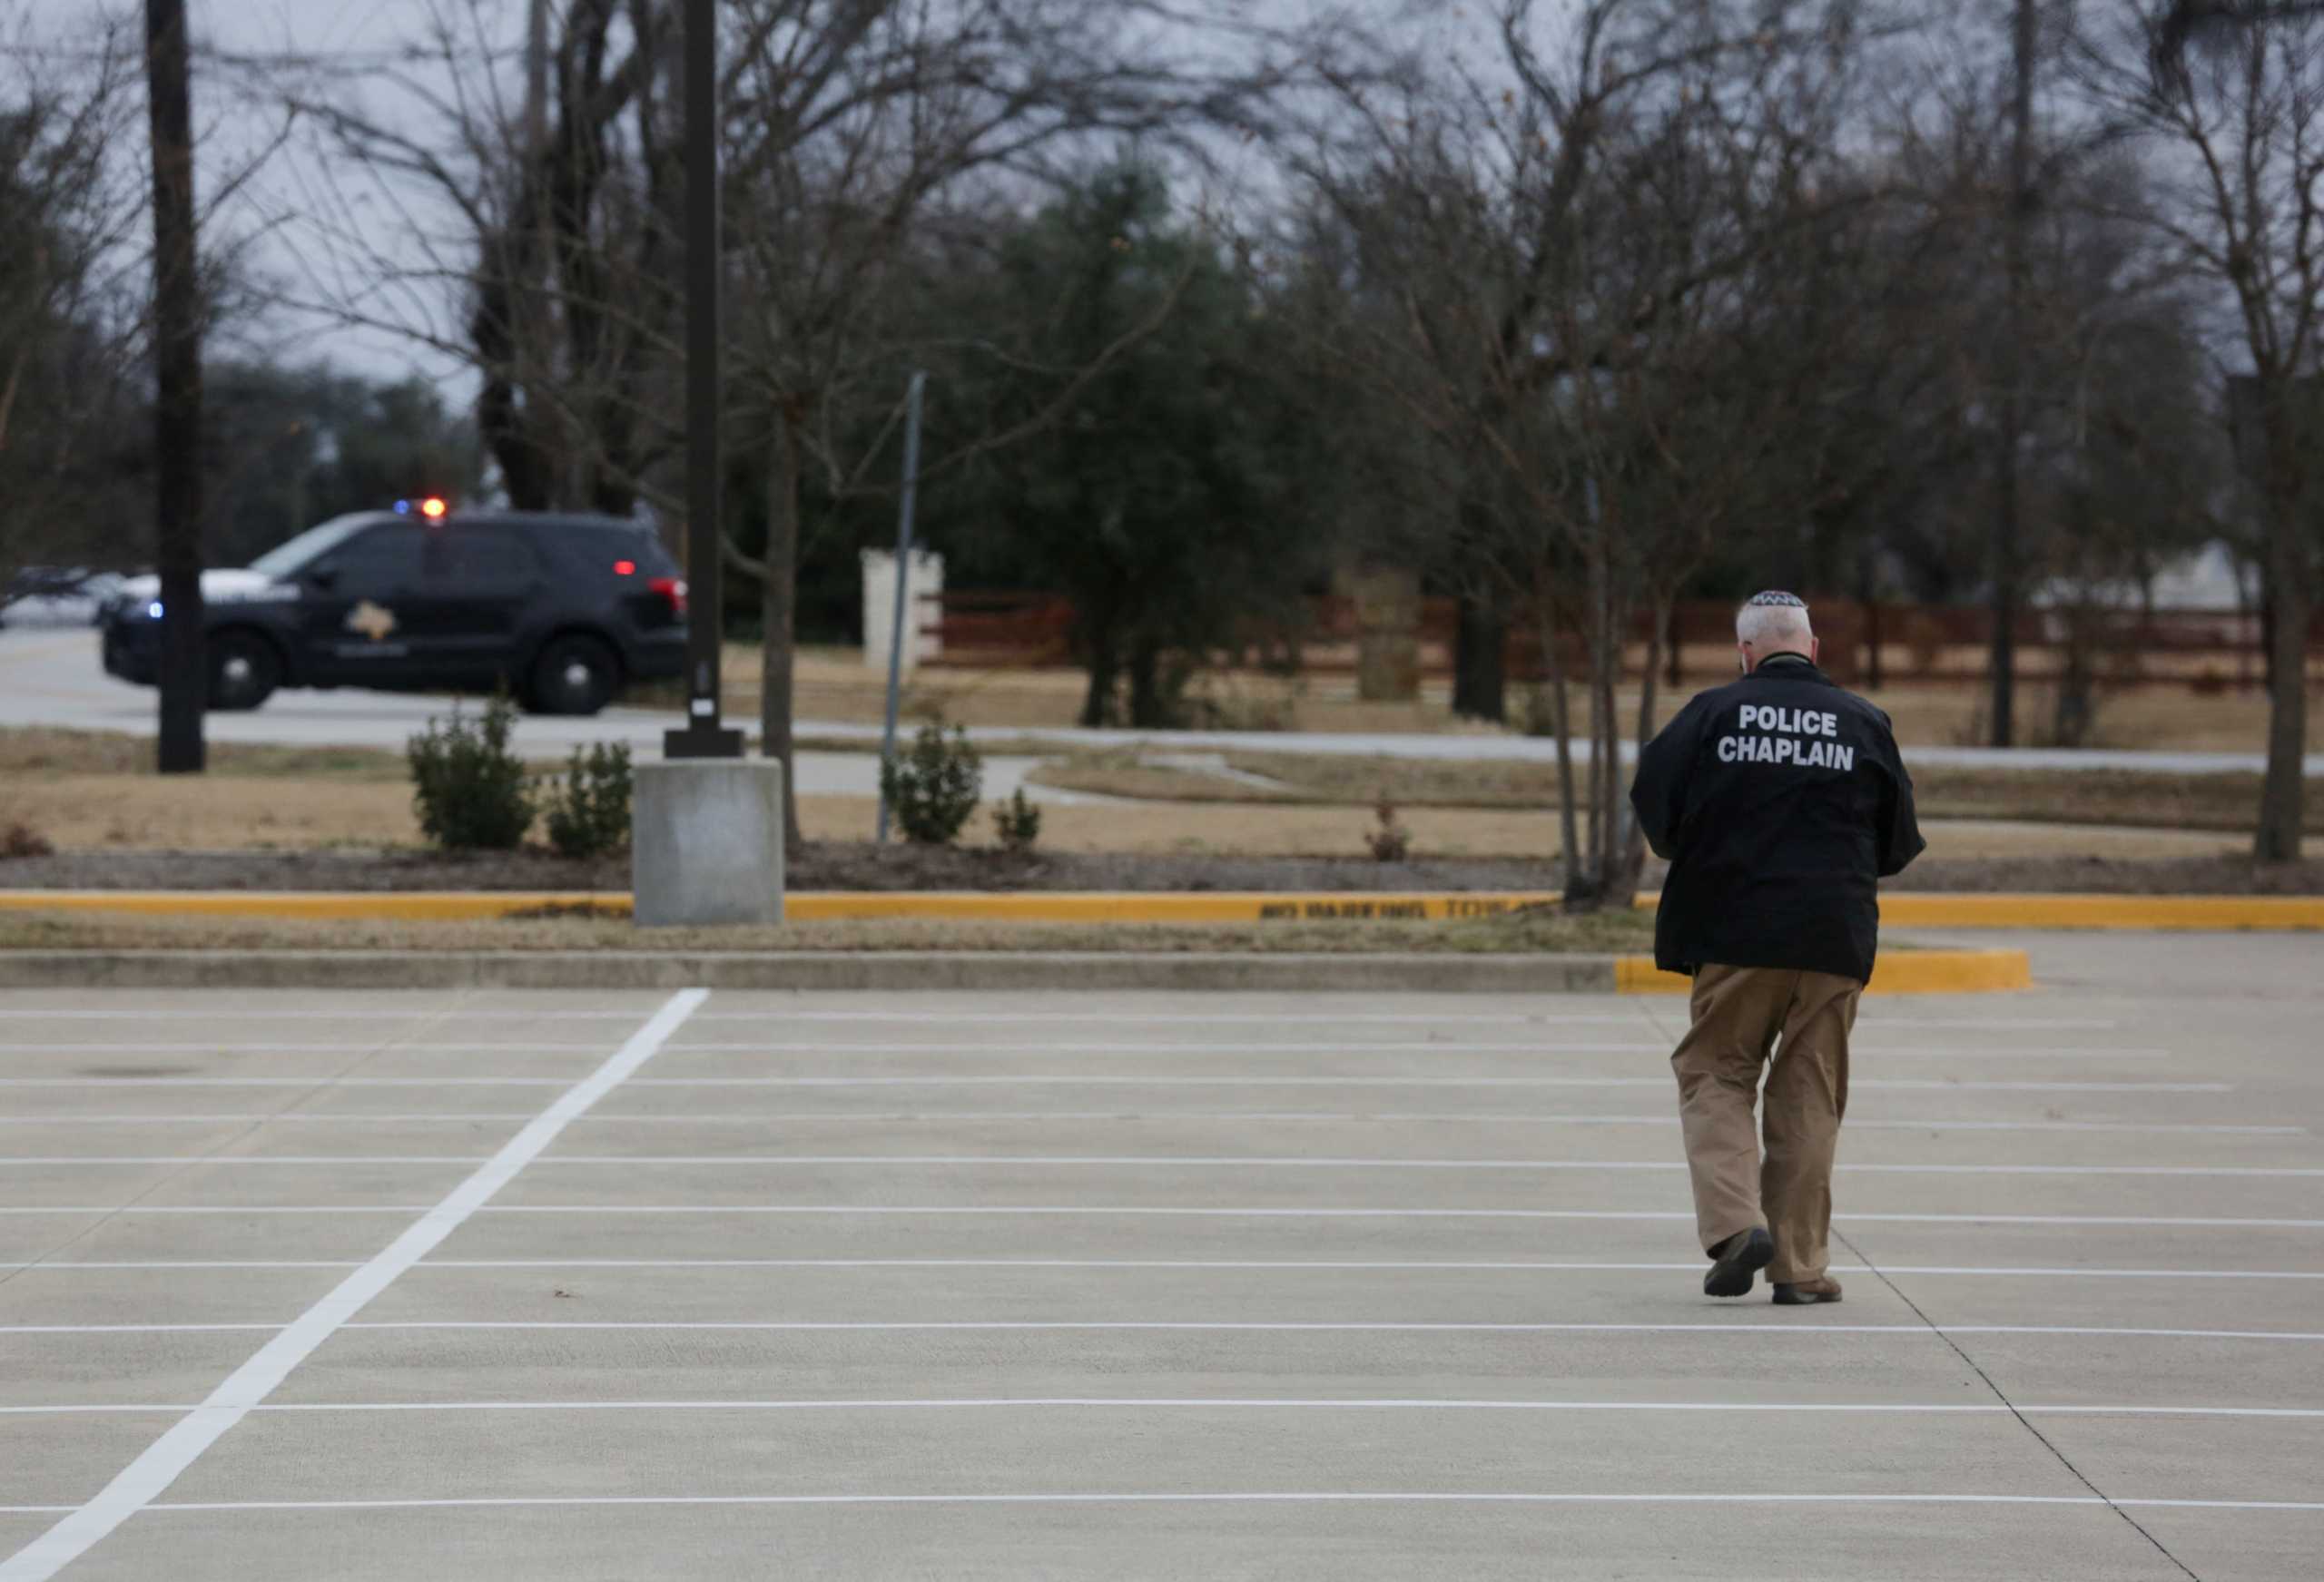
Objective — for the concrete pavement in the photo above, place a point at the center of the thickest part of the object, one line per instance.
(1143, 1285)
(49, 678)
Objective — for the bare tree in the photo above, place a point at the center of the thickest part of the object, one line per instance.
(72, 305)
(2233, 125)
(867, 133)
(855, 133)
(1572, 267)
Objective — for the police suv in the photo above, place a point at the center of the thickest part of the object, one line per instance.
(562, 610)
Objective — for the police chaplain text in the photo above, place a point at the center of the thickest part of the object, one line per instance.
(1787, 748)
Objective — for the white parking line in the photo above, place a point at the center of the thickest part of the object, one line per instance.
(1411, 1265)
(1535, 1047)
(490, 1502)
(307, 1046)
(1326, 1497)
(1112, 1017)
(1141, 1211)
(1930, 1085)
(1142, 1161)
(1203, 1403)
(1904, 1332)
(950, 1117)
(247, 1388)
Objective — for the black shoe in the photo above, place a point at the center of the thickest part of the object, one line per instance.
(1806, 1292)
(1738, 1258)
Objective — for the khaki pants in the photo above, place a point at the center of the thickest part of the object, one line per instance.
(1737, 1012)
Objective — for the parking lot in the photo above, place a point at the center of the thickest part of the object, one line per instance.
(621, 1286)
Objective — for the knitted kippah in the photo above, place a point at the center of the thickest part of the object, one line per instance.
(1776, 598)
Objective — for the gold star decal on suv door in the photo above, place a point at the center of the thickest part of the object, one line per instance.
(372, 620)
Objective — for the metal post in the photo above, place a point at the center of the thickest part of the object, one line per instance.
(903, 580)
(702, 736)
(184, 676)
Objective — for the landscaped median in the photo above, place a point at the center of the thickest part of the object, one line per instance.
(1507, 942)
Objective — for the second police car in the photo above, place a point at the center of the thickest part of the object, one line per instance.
(563, 610)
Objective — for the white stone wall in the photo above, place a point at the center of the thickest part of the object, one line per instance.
(927, 581)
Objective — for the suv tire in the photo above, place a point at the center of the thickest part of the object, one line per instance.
(244, 671)
(574, 674)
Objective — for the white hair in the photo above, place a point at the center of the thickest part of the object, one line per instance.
(1774, 626)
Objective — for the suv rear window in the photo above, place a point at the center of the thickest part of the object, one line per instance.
(591, 545)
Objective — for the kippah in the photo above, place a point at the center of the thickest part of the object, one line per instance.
(1778, 597)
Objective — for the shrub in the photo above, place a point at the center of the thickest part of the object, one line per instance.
(933, 788)
(18, 839)
(1019, 824)
(1390, 841)
(587, 815)
(468, 788)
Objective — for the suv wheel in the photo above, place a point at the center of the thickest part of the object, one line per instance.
(575, 675)
(244, 671)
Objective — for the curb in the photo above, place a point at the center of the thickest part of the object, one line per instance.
(2212, 913)
(2223, 913)
(1894, 972)
(1904, 972)
(806, 971)
(805, 906)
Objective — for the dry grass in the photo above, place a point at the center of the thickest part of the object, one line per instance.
(40, 751)
(833, 683)
(2224, 803)
(1620, 930)
(222, 813)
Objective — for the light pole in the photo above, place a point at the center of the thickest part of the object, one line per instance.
(702, 736)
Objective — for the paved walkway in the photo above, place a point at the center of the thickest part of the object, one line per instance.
(619, 1285)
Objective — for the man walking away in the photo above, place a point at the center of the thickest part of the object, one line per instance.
(1780, 802)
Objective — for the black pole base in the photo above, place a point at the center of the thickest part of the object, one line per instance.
(699, 741)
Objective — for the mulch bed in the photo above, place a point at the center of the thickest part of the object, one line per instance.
(862, 866)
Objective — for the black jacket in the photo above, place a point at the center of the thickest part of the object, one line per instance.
(1780, 801)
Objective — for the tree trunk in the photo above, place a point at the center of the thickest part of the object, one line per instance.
(1586, 890)
(1610, 801)
(1480, 652)
(2292, 600)
(2008, 502)
(1105, 675)
(1631, 861)
(177, 337)
(1149, 708)
(778, 603)
(1561, 722)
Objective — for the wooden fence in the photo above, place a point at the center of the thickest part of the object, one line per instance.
(1864, 644)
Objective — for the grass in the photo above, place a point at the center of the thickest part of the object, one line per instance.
(1543, 932)
(88, 789)
(52, 753)
(2208, 803)
(833, 683)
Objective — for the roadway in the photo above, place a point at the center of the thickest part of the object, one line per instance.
(52, 678)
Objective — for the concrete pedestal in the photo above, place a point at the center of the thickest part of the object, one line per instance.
(707, 841)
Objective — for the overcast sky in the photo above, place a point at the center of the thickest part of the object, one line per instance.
(281, 199)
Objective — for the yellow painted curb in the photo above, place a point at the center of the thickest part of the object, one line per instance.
(805, 906)
(2214, 913)
(1897, 972)
(1203, 907)
(447, 906)
(2222, 912)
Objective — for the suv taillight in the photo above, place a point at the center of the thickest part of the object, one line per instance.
(673, 589)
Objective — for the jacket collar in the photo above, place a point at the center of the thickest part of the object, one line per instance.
(1791, 666)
